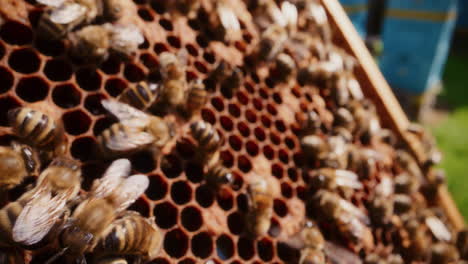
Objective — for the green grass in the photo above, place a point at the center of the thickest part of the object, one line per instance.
(452, 134)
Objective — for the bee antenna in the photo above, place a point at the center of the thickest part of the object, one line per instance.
(56, 256)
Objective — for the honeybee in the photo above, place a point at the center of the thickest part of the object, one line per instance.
(145, 239)
(113, 9)
(36, 128)
(311, 124)
(196, 98)
(228, 21)
(311, 243)
(338, 150)
(56, 22)
(90, 44)
(403, 204)
(271, 42)
(409, 164)
(218, 175)
(268, 12)
(350, 220)
(56, 185)
(406, 184)
(367, 121)
(381, 205)
(438, 228)
(188, 7)
(344, 118)
(338, 254)
(260, 207)
(109, 196)
(17, 162)
(135, 131)
(285, 66)
(124, 39)
(443, 253)
(174, 85)
(208, 140)
(232, 83)
(220, 73)
(141, 95)
(333, 179)
(314, 147)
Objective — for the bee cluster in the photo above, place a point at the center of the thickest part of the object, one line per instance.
(241, 123)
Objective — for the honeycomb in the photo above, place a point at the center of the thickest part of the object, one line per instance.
(258, 125)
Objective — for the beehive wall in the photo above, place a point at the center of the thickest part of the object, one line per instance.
(258, 126)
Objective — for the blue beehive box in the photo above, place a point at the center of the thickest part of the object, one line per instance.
(416, 38)
(462, 22)
(357, 12)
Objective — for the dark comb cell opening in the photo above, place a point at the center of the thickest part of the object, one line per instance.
(194, 172)
(141, 206)
(283, 156)
(185, 148)
(24, 61)
(243, 129)
(280, 207)
(204, 196)
(226, 123)
(157, 188)
(234, 110)
(6, 80)
(88, 79)
(227, 158)
(149, 60)
(275, 138)
(58, 70)
(187, 261)
(171, 165)
(159, 261)
(181, 192)
(160, 47)
(290, 143)
(66, 95)
(159, 6)
(92, 171)
(260, 133)
(111, 65)
(2, 50)
(15, 33)
(49, 47)
(277, 170)
(166, 24)
(286, 190)
(218, 103)
(192, 50)
(235, 142)
(280, 126)
(201, 67)
(224, 247)
(252, 148)
(191, 218)
(145, 14)
(265, 249)
(209, 57)
(176, 243)
(251, 116)
(268, 152)
(133, 73)
(245, 248)
(93, 104)
(286, 253)
(174, 41)
(202, 245)
(102, 124)
(208, 115)
(76, 122)
(292, 174)
(266, 121)
(236, 223)
(115, 86)
(257, 103)
(32, 89)
(202, 41)
(166, 215)
(243, 202)
(83, 148)
(143, 161)
(225, 200)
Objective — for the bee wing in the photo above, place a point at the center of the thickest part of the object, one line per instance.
(438, 229)
(130, 189)
(51, 3)
(353, 210)
(111, 179)
(122, 35)
(348, 179)
(277, 15)
(318, 13)
(340, 255)
(385, 187)
(129, 141)
(228, 18)
(128, 115)
(289, 13)
(38, 217)
(67, 13)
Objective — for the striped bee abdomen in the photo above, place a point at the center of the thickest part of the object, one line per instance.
(141, 96)
(207, 137)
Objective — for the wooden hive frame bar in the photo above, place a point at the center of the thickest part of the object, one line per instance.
(377, 89)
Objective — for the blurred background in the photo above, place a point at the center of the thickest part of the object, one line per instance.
(421, 47)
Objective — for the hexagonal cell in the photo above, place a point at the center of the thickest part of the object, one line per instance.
(111, 65)
(102, 124)
(24, 60)
(209, 57)
(283, 156)
(49, 47)
(93, 103)
(6, 79)
(202, 41)
(204, 196)
(84, 148)
(192, 50)
(286, 253)
(149, 60)
(92, 171)
(191, 218)
(243, 129)
(58, 70)
(187, 261)
(235, 142)
(275, 138)
(141, 206)
(227, 158)
(290, 142)
(194, 172)
(181, 192)
(159, 261)
(176, 243)
(202, 245)
(245, 248)
(66, 95)
(236, 223)
(201, 67)
(166, 215)
(271, 109)
(157, 188)
(133, 72)
(208, 115)
(275, 228)
(268, 152)
(16, 33)
(166, 24)
(171, 165)
(145, 14)
(174, 41)
(224, 247)
(265, 249)
(293, 174)
(143, 161)
(280, 208)
(32, 89)
(225, 200)
(251, 116)
(2, 50)
(257, 103)
(76, 122)
(277, 170)
(160, 47)
(226, 123)
(88, 79)
(234, 110)
(286, 190)
(115, 86)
